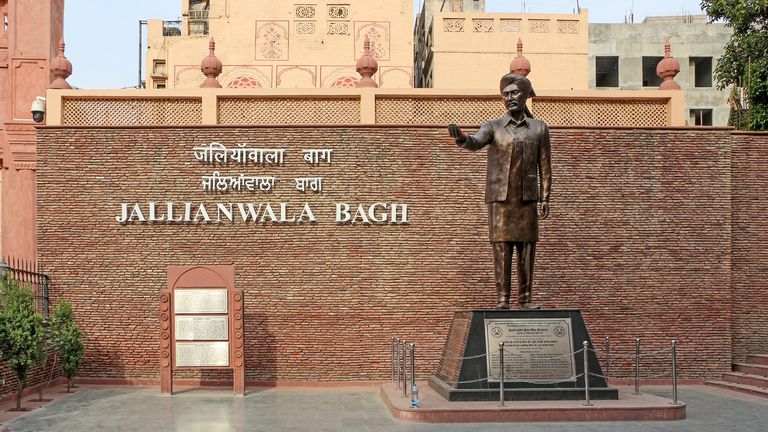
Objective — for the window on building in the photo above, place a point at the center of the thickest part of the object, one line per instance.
(198, 16)
(701, 69)
(650, 79)
(158, 67)
(606, 71)
(701, 117)
(171, 28)
(160, 84)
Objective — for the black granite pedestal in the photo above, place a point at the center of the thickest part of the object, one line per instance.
(463, 372)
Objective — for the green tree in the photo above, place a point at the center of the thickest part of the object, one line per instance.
(744, 63)
(22, 334)
(66, 339)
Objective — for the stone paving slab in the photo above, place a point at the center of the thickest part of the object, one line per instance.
(109, 408)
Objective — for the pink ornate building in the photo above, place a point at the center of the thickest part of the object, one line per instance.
(29, 34)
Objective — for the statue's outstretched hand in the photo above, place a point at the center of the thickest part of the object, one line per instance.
(544, 210)
(457, 134)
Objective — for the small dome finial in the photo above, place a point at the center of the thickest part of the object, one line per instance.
(211, 67)
(667, 69)
(61, 68)
(367, 66)
(520, 65)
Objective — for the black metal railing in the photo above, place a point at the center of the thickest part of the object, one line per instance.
(28, 273)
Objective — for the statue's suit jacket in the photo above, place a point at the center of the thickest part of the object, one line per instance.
(501, 135)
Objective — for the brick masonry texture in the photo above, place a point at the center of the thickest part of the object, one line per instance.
(750, 237)
(640, 239)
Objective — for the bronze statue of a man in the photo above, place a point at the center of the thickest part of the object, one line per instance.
(519, 175)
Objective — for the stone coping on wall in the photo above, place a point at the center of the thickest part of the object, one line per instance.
(190, 107)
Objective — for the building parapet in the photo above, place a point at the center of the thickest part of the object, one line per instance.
(189, 107)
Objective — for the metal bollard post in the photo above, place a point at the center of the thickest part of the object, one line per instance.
(392, 358)
(607, 356)
(405, 370)
(397, 361)
(674, 372)
(585, 354)
(501, 373)
(637, 366)
(413, 367)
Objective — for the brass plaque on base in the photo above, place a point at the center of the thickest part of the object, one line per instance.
(537, 350)
(202, 354)
(211, 328)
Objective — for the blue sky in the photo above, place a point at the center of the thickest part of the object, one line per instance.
(103, 36)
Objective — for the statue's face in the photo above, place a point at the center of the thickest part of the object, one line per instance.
(514, 98)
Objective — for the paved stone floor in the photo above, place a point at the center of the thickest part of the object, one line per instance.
(95, 408)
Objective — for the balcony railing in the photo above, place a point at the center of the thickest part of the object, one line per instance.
(171, 28)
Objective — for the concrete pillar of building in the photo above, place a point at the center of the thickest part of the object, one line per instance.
(19, 205)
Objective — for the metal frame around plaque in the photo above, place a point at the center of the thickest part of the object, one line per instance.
(536, 349)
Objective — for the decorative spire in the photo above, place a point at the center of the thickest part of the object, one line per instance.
(520, 65)
(667, 68)
(366, 66)
(61, 69)
(211, 67)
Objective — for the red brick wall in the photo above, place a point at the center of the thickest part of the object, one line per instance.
(43, 373)
(750, 243)
(639, 239)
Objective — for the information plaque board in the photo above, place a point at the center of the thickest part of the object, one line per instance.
(201, 323)
(537, 350)
(202, 354)
(200, 301)
(195, 327)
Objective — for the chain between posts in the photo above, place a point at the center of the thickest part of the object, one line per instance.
(399, 367)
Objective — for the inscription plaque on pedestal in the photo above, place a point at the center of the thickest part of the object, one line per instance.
(200, 301)
(212, 328)
(536, 349)
(199, 354)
